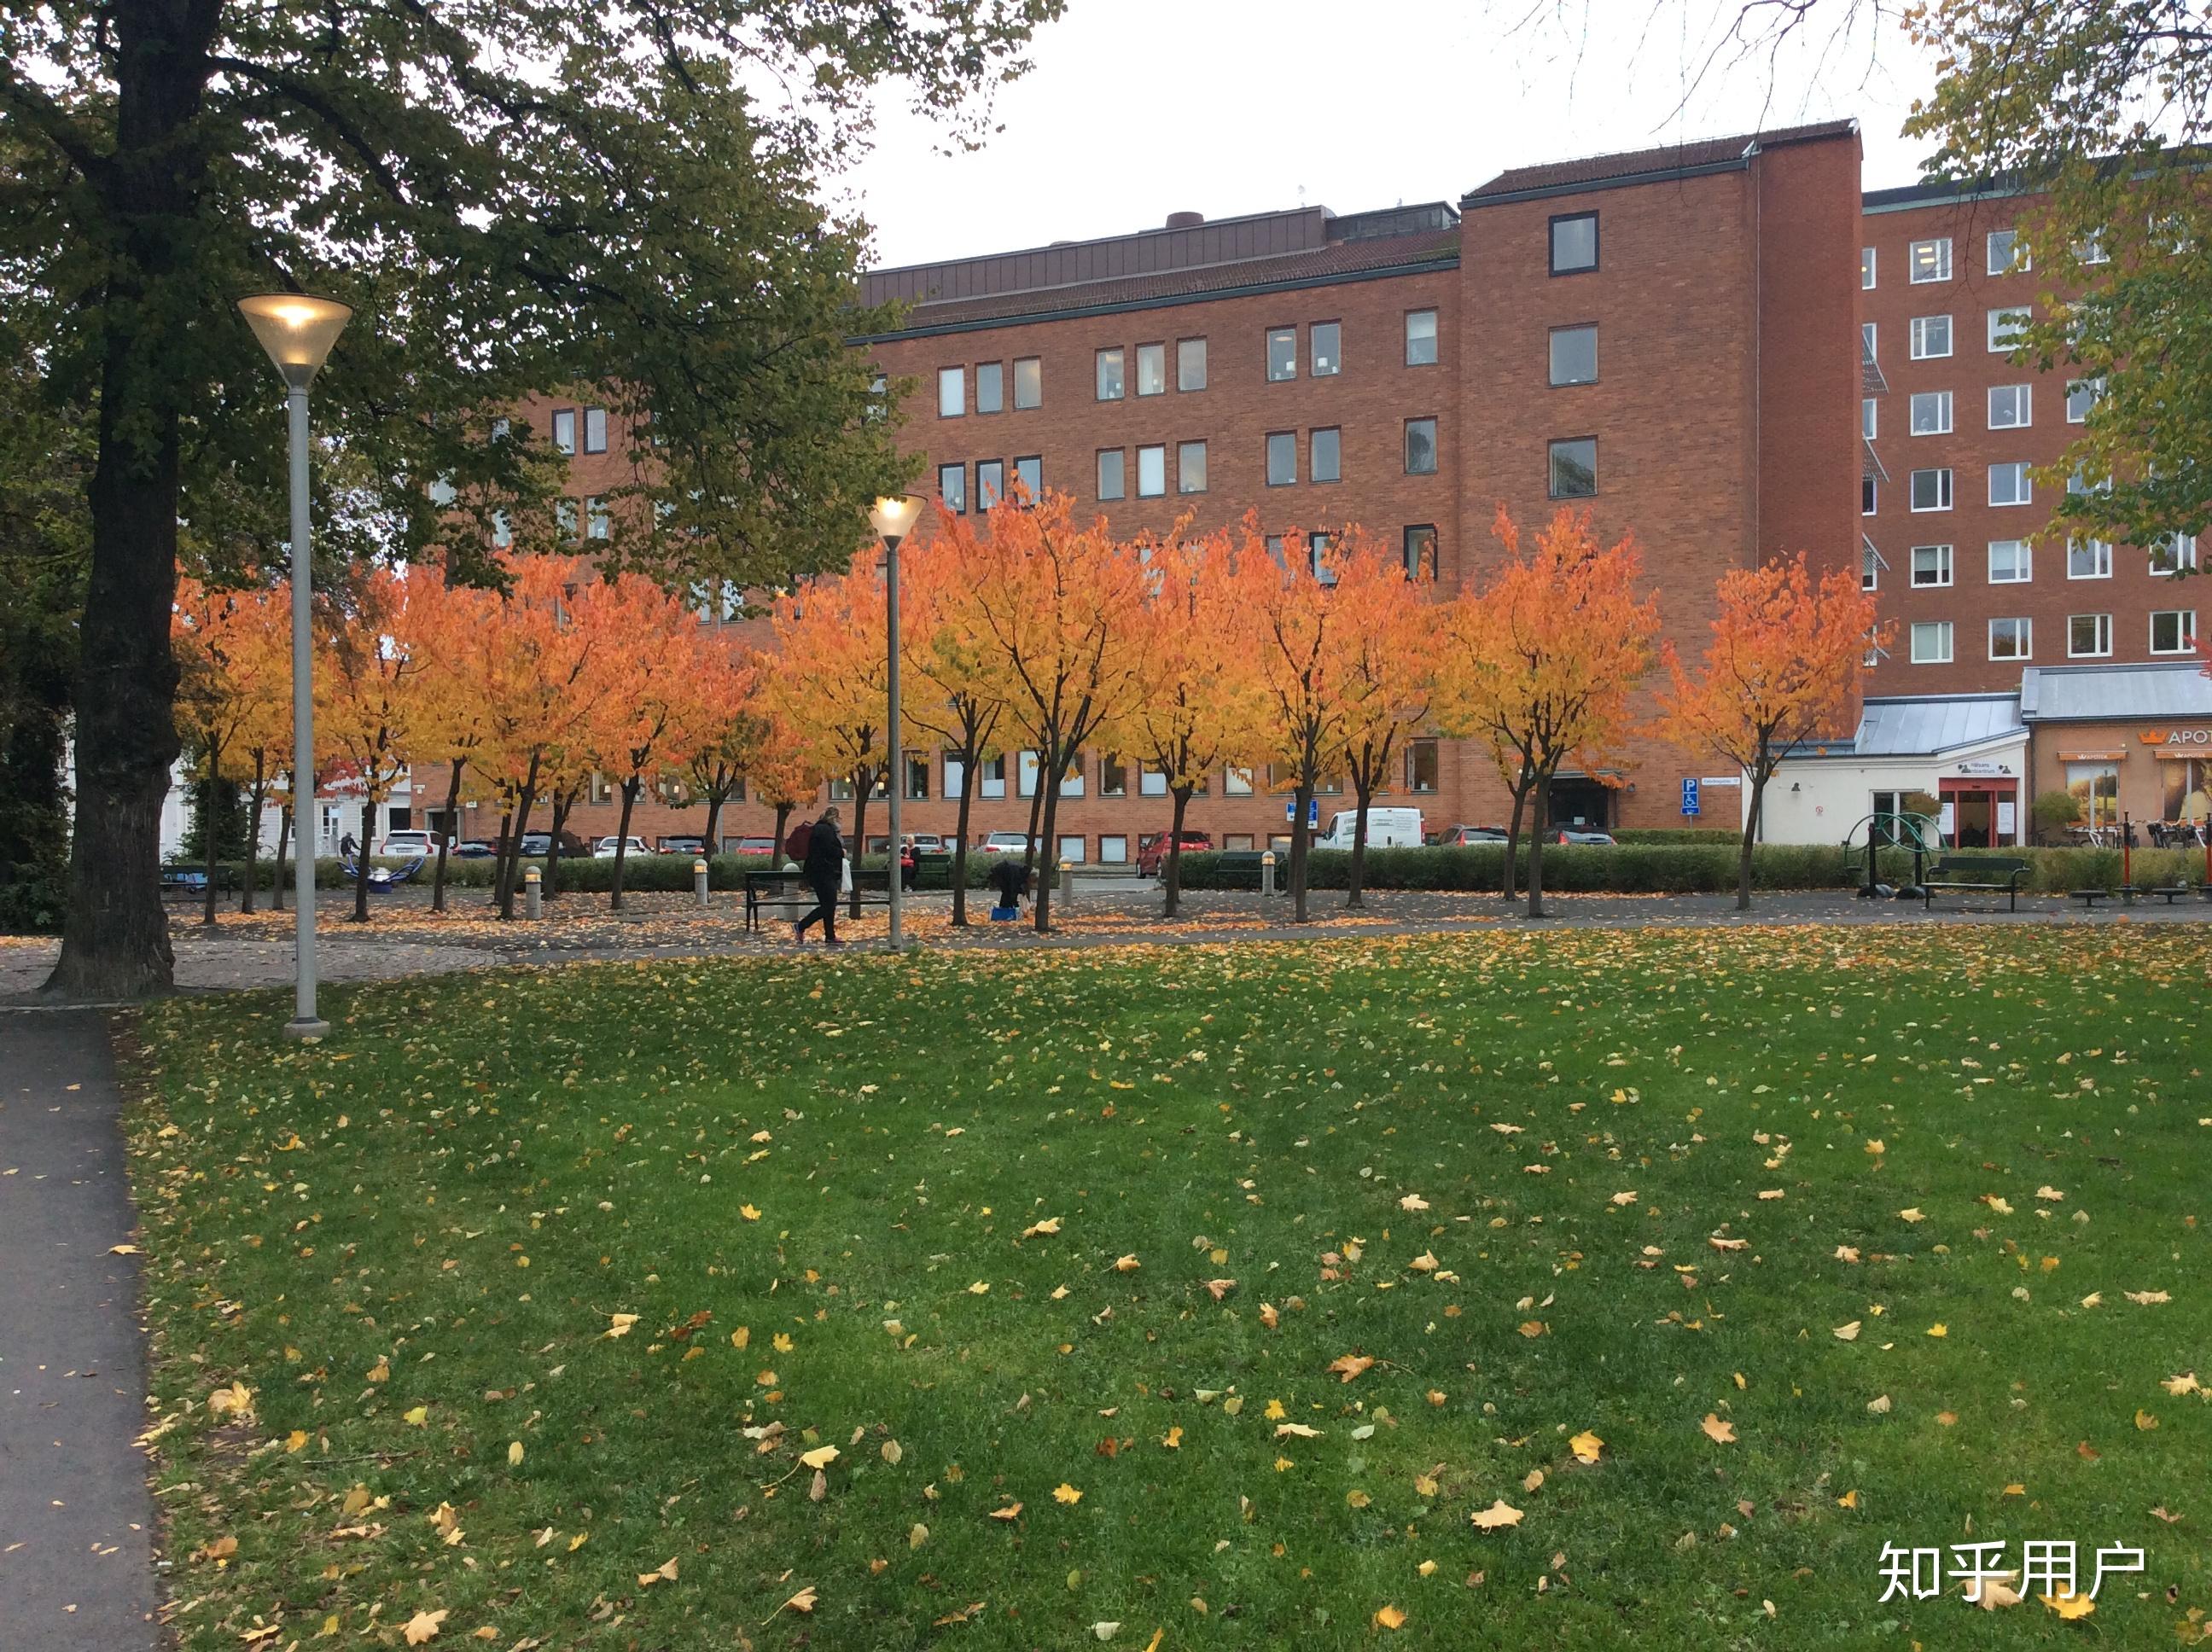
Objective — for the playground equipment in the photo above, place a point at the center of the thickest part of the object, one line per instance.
(1894, 829)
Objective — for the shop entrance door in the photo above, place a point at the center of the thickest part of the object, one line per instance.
(1980, 814)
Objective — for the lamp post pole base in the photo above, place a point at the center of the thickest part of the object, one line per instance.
(306, 1027)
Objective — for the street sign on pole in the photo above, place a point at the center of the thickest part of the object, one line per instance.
(1313, 811)
(1689, 796)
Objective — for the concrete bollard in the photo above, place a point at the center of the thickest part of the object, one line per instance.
(533, 903)
(1267, 875)
(1066, 887)
(699, 882)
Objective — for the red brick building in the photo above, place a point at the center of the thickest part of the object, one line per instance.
(1676, 338)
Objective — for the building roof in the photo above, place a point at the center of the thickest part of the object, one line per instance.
(1643, 165)
(2114, 692)
(1930, 724)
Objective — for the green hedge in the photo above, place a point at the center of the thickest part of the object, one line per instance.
(1690, 869)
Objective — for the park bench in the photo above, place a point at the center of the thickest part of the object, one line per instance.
(1240, 863)
(2171, 892)
(1979, 873)
(932, 871)
(2089, 897)
(185, 882)
(765, 888)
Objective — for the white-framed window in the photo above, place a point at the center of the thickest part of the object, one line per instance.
(595, 430)
(2012, 407)
(1869, 494)
(2082, 395)
(1931, 412)
(2005, 329)
(2007, 256)
(564, 429)
(1870, 412)
(2079, 483)
(1152, 782)
(2011, 639)
(1867, 337)
(1866, 268)
(1152, 471)
(1931, 336)
(2173, 553)
(2091, 249)
(2089, 559)
(955, 778)
(1113, 849)
(1025, 773)
(2174, 631)
(1931, 642)
(2010, 484)
(1420, 338)
(2088, 636)
(951, 392)
(991, 776)
(2011, 562)
(1931, 490)
(1929, 260)
(1870, 565)
(1236, 783)
(1931, 566)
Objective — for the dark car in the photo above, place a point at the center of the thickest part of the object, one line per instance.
(472, 848)
(1461, 835)
(680, 845)
(537, 844)
(1596, 839)
(1152, 850)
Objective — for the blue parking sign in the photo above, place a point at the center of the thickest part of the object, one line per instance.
(1689, 796)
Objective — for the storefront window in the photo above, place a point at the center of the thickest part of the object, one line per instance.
(2187, 783)
(2096, 789)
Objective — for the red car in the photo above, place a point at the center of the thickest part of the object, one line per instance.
(1152, 850)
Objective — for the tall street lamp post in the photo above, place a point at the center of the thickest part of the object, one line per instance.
(298, 331)
(891, 519)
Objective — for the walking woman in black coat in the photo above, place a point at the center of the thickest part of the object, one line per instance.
(823, 869)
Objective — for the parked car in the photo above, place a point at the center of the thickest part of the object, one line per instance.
(1600, 840)
(1152, 849)
(1461, 835)
(405, 842)
(473, 848)
(1004, 843)
(759, 845)
(691, 846)
(537, 844)
(1386, 829)
(605, 848)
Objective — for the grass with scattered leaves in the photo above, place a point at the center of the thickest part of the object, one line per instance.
(1574, 1290)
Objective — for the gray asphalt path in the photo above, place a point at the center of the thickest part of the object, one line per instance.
(77, 1523)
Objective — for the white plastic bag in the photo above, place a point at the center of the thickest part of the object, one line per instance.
(845, 876)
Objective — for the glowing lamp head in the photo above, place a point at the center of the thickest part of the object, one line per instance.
(296, 329)
(892, 517)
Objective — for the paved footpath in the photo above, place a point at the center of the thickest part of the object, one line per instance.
(77, 1520)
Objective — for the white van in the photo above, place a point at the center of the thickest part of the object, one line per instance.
(1386, 829)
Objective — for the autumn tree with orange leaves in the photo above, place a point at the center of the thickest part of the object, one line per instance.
(1543, 660)
(1784, 667)
(453, 719)
(367, 699)
(779, 770)
(1202, 702)
(1385, 640)
(1287, 622)
(829, 684)
(234, 696)
(956, 685)
(1061, 608)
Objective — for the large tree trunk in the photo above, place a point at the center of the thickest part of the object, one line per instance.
(256, 799)
(863, 783)
(512, 874)
(283, 836)
(361, 859)
(1363, 793)
(968, 761)
(1173, 903)
(1048, 798)
(208, 832)
(1540, 798)
(1513, 834)
(564, 803)
(447, 834)
(622, 838)
(1303, 797)
(115, 937)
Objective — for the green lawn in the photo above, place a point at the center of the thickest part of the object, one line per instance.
(956, 1217)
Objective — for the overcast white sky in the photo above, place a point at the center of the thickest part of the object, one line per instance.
(1138, 108)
